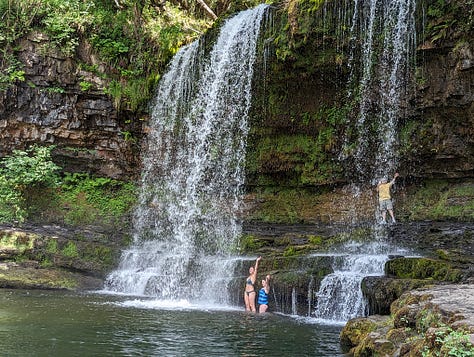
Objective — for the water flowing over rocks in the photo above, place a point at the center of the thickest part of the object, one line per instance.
(436, 141)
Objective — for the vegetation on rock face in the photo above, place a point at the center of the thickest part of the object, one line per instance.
(132, 41)
(417, 326)
(21, 172)
(443, 20)
(32, 188)
(440, 200)
(422, 268)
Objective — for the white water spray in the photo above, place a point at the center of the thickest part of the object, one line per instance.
(186, 223)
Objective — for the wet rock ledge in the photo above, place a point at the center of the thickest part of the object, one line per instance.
(430, 321)
(53, 257)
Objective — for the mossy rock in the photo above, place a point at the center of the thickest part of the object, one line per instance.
(355, 331)
(382, 291)
(374, 345)
(399, 335)
(422, 268)
(406, 317)
(16, 276)
(14, 243)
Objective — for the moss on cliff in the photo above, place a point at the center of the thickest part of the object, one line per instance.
(422, 268)
(439, 200)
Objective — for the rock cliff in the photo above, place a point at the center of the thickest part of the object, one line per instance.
(61, 103)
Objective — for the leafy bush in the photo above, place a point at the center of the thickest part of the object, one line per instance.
(22, 170)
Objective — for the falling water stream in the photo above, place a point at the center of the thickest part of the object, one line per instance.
(381, 85)
(186, 223)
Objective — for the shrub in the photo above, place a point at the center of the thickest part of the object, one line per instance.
(22, 170)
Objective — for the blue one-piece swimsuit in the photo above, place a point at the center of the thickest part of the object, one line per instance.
(262, 297)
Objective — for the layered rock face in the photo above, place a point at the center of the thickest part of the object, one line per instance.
(299, 137)
(61, 104)
(297, 129)
(439, 138)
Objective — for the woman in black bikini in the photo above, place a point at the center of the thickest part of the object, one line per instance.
(250, 293)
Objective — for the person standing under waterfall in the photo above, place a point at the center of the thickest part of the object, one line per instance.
(385, 200)
(263, 295)
(250, 293)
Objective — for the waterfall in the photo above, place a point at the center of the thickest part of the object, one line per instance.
(340, 297)
(186, 223)
(294, 310)
(384, 31)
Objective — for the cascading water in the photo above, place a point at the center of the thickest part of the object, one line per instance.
(186, 223)
(340, 297)
(380, 88)
(383, 80)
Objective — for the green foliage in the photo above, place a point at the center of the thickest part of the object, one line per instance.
(439, 199)
(70, 250)
(33, 166)
(52, 90)
(89, 199)
(315, 240)
(290, 251)
(136, 41)
(85, 86)
(11, 70)
(250, 243)
(455, 343)
(17, 17)
(22, 170)
(52, 246)
(11, 202)
(450, 343)
(65, 22)
(442, 16)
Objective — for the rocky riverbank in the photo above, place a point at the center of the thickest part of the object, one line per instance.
(55, 257)
(432, 321)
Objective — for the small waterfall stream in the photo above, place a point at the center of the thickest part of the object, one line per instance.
(386, 29)
(186, 225)
(340, 297)
(381, 85)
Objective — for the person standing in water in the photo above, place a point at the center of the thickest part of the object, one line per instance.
(385, 200)
(263, 295)
(250, 293)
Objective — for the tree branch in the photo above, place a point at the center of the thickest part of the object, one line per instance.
(207, 9)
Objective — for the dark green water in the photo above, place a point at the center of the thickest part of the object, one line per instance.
(51, 323)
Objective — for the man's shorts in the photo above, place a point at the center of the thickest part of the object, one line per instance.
(385, 205)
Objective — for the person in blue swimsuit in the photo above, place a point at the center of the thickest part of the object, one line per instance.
(263, 295)
(249, 293)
